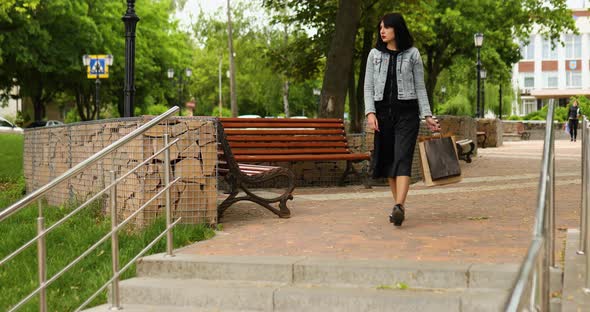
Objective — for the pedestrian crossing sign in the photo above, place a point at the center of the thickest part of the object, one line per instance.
(98, 67)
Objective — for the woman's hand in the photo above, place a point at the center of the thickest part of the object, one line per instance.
(432, 124)
(372, 122)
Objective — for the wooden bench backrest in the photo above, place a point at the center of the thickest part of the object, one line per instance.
(285, 136)
(519, 127)
(284, 139)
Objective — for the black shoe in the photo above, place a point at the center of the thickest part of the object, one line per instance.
(397, 215)
(571, 140)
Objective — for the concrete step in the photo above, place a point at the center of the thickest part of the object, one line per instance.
(160, 308)
(301, 270)
(573, 298)
(271, 296)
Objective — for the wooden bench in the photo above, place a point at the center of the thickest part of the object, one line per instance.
(481, 138)
(519, 132)
(465, 149)
(246, 141)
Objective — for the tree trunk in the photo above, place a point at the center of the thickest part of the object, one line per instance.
(352, 100)
(357, 121)
(338, 63)
(232, 65)
(286, 97)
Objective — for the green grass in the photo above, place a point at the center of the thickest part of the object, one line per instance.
(11, 156)
(18, 277)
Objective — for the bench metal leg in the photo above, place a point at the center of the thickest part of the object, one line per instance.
(236, 184)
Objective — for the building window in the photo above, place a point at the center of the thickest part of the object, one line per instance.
(528, 51)
(551, 79)
(573, 46)
(527, 80)
(549, 53)
(529, 106)
(573, 79)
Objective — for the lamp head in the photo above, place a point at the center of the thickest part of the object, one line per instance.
(170, 73)
(109, 59)
(483, 74)
(478, 39)
(188, 72)
(86, 59)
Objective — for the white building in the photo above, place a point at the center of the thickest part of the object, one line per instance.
(9, 109)
(545, 72)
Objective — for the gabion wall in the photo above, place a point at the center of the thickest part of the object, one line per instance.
(49, 152)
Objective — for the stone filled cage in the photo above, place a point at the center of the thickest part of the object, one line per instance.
(50, 151)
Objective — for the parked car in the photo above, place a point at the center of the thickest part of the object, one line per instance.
(8, 127)
(44, 123)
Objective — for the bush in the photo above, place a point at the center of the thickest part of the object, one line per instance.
(225, 112)
(72, 116)
(537, 118)
(458, 105)
(514, 117)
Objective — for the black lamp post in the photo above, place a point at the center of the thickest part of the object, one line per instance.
(180, 82)
(483, 75)
(478, 39)
(130, 19)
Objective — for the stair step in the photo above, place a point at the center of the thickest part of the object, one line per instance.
(207, 294)
(154, 308)
(301, 270)
(271, 296)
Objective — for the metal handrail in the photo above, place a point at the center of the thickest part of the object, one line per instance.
(531, 289)
(81, 166)
(115, 225)
(584, 213)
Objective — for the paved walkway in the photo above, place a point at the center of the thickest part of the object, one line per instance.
(487, 218)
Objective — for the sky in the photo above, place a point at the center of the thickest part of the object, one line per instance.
(213, 7)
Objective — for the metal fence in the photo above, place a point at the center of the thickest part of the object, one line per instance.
(110, 189)
(584, 213)
(531, 289)
(51, 151)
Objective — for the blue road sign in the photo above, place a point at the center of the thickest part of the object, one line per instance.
(101, 70)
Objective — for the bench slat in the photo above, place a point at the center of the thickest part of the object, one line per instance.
(291, 144)
(229, 125)
(281, 132)
(262, 158)
(289, 151)
(281, 120)
(284, 138)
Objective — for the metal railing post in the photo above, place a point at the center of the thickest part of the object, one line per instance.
(169, 241)
(42, 259)
(551, 212)
(115, 296)
(585, 189)
(583, 223)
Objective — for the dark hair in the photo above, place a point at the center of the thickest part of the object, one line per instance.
(403, 37)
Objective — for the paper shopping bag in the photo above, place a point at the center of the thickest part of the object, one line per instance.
(439, 160)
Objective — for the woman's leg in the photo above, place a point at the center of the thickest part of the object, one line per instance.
(571, 122)
(393, 186)
(403, 186)
(574, 127)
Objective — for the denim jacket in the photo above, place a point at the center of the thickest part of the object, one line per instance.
(410, 79)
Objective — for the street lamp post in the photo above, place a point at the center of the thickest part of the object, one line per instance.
(483, 75)
(130, 19)
(478, 39)
(180, 82)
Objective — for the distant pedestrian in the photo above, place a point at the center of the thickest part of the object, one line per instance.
(573, 116)
(395, 100)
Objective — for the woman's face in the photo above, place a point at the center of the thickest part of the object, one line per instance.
(387, 34)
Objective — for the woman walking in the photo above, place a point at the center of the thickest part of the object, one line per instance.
(395, 101)
(573, 116)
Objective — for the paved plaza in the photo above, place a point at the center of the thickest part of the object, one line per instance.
(487, 218)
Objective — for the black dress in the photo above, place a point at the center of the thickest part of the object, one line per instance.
(399, 122)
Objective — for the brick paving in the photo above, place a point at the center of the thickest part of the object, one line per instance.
(487, 218)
